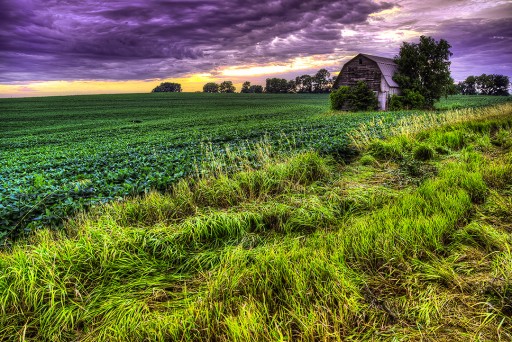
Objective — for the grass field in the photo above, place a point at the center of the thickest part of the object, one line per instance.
(59, 154)
(411, 240)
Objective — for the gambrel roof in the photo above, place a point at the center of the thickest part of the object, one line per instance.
(387, 66)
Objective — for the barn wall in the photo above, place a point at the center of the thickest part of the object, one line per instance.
(368, 71)
(383, 94)
(395, 91)
(383, 100)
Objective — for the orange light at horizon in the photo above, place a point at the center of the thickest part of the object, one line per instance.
(189, 83)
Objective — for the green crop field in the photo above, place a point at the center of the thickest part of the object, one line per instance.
(59, 154)
(409, 240)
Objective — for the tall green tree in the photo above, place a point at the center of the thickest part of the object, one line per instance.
(256, 89)
(291, 87)
(424, 67)
(468, 86)
(276, 85)
(227, 87)
(492, 84)
(211, 87)
(246, 86)
(304, 84)
(501, 85)
(322, 81)
(485, 85)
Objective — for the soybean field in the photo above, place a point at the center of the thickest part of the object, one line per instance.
(62, 154)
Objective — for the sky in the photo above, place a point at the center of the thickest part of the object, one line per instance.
(61, 47)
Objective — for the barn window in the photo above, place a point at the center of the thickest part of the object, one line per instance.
(360, 61)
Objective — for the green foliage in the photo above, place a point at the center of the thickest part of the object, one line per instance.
(363, 98)
(413, 99)
(468, 86)
(227, 87)
(357, 98)
(495, 85)
(396, 102)
(424, 67)
(409, 100)
(304, 84)
(318, 83)
(211, 87)
(248, 88)
(340, 97)
(465, 101)
(245, 87)
(167, 87)
(256, 89)
(277, 85)
(322, 82)
(386, 150)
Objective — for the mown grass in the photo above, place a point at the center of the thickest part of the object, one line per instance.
(410, 242)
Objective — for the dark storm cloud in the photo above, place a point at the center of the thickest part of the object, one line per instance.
(145, 39)
(91, 39)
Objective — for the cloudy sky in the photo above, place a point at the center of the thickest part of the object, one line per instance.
(52, 47)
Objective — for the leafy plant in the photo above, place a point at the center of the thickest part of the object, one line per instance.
(357, 98)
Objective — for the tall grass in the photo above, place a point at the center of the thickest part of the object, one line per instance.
(366, 133)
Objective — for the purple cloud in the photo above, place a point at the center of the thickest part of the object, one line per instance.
(145, 39)
(90, 39)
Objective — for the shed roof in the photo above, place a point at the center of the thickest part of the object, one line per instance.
(387, 66)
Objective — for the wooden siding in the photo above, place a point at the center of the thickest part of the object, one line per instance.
(367, 71)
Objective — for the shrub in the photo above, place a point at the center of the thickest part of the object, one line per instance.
(396, 102)
(356, 98)
(410, 100)
(413, 99)
(340, 97)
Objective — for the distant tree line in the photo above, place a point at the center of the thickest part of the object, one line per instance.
(484, 85)
(224, 87)
(321, 82)
(248, 88)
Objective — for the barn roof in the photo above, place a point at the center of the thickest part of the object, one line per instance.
(387, 66)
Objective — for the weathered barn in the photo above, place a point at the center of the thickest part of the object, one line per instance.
(376, 71)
